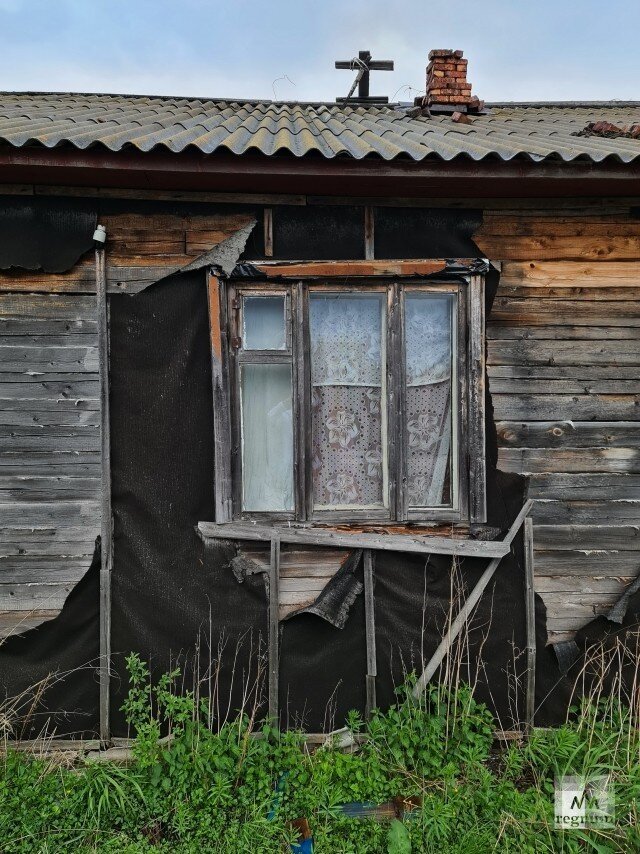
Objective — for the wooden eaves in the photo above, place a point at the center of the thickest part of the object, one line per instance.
(254, 173)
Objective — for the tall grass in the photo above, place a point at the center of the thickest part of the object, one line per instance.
(208, 773)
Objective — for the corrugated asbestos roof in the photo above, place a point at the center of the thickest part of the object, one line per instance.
(535, 131)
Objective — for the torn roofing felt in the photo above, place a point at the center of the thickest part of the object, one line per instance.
(224, 255)
(43, 233)
(48, 675)
(569, 651)
(338, 595)
(334, 601)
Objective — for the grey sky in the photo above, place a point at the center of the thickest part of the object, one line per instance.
(544, 50)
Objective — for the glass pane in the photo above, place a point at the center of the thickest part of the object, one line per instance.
(264, 323)
(429, 336)
(267, 438)
(348, 378)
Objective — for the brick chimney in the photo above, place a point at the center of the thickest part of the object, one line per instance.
(447, 87)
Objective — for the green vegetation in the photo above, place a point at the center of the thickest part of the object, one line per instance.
(237, 790)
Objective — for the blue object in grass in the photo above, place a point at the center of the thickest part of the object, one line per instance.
(304, 847)
(278, 796)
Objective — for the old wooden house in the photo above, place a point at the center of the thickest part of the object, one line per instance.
(317, 344)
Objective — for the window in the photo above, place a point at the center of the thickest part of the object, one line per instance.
(355, 404)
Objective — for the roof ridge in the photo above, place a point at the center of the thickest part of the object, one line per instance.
(213, 99)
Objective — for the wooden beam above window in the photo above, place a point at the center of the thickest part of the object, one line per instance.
(322, 269)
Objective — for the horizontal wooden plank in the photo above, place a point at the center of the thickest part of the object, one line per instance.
(62, 416)
(63, 377)
(581, 291)
(530, 224)
(54, 464)
(202, 196)
(315, 269)
(25, 444)
(58, 536)
(54, 551)
(544, 312)
(510, 331)
(19, 622)
(558, 372)
(584, 487)
(563, 353)
(48, 431)
(42, 513)
(23, 597)
(47, 306)
(588, 565)
(555, 273)
(567, 625)
(546, 387)
(40, 389)
(579, 407)
(605, 512)
(44, 358)
(423, 543)
(563, 601)
(67, 569)
(37, 488)
(33, 406)
(550, 247)
(64, 339)
(42, 461)
(296, 599)
(36, 326)
(303, 585)
(525, 460)
(558, 637)
(570, 434)
(580, 537)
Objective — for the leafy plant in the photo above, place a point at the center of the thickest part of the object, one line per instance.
(193, 789)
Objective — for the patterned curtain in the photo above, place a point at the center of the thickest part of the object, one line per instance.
(347, 371)
(428, 394)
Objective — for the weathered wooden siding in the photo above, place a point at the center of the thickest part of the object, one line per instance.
(49, 402)
(49, 436)
(564, 371)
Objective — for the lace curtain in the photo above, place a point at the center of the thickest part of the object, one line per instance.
(349, 403)
(348, 412)
(428, 337)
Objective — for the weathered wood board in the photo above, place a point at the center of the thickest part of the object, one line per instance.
(564, 372)
(304, 573)
(49, 452)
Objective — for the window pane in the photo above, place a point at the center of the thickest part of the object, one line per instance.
(348, 378)
(429, 346)
(267, 438)
(264, 323)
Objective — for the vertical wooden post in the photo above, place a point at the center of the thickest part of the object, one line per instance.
(274, 629)
(530, 610)
(268, 232)
(370, 628)
(369, 233)
(105, 503)
(477, 437)
(221, 422)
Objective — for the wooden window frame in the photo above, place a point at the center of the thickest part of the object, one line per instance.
(468, 469)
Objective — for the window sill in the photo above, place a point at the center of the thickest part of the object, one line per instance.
(435, 540)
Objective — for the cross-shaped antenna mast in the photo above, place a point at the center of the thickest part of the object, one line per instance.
(362, 65)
